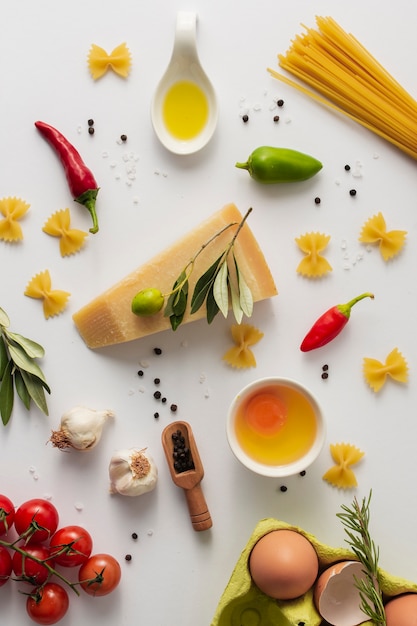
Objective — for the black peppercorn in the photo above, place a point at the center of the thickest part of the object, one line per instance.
(140, 373)
(128, 557)
(123, 137)
(303, 473)
(90, 122)
(173, 407)
(245, 118)
(134, 535)
(352, 192)
(276, 118)
(283, 488)
(317, 200)
(347, 167)
(156, 381)
(156, 415)
(157, 350)
(157, 395)
(280, 102)
(91, 130)
(325, 375)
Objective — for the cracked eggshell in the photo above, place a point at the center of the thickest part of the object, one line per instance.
(402, 611)
(336, 596)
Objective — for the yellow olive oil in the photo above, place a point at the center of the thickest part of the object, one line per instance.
(276, 425)
(185, 110)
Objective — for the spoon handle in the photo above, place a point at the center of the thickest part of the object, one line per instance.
(197, 507)
(185, 44)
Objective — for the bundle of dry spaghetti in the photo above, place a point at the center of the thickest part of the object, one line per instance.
(346, 77)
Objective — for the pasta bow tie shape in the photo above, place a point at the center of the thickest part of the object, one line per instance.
(119, 60)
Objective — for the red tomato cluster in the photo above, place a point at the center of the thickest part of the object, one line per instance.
(41, 545)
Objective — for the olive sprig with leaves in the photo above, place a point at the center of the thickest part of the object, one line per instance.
(19, 371)
(222, 283)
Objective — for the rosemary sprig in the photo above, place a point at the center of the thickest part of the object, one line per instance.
(19, 371)
(356, 523)
(214, 287)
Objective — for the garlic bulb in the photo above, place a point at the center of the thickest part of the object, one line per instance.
(80, 428)
(132, 472)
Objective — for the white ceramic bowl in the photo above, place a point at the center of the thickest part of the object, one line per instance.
(286, 469)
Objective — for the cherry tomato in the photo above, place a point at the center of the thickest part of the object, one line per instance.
(39, 518)
(6, 514)
(5, 565)
(29, 570)
(71, 546)
(100, 574)
(48, 604)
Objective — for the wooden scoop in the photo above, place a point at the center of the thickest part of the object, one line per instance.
(188, 479)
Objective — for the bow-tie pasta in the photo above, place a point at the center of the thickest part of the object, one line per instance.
(119, 61)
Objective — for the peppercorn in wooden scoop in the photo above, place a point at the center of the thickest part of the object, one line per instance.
(187, 470)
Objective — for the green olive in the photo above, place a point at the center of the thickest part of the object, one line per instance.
(147, 302)
(280, 165)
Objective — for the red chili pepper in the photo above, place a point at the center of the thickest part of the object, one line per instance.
(330, 324)
(80, 179)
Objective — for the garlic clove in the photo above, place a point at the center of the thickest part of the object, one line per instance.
(80, 428)
(132, 472)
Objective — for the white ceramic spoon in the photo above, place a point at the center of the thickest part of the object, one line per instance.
(184, 66)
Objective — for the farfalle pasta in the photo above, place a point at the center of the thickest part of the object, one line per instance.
(12, 209)
(119, 60)
(374, 231)
(376, 373)
(71, 240)
(240, 355)
(314, 264)
(54, 300)
(341, 474)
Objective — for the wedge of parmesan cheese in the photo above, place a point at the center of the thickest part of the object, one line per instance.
(108, 319)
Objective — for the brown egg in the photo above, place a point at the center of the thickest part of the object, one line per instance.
(336, 595)
(283, 564)
(402, 611)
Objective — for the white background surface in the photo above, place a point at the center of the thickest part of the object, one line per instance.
(177, 575)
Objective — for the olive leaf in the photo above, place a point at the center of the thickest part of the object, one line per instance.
(221, 288)
(4, 318)
(245, 294)
(19, 371)
(212, 307)
(24, 362)
(177, 301)
(203, 285)
(6, 394)
(35, 388)
(32, 349)
(237, 309)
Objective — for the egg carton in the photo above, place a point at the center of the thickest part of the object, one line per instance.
(242, 603)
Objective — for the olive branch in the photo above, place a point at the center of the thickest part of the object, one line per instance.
(19, 371)
(221, 283)
(356, 522)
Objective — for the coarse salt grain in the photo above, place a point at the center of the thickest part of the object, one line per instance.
(78, 506)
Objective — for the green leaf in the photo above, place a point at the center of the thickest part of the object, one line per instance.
(32, 349)
(35, 388)
(237, 309)
(21, 389)
(6, 394)
(221, 288)
(4, 357)
(24, 362)
(211, 306)
(203, 285)
(245, 295)
(4, 319)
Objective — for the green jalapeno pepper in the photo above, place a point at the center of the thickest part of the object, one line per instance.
(280, 165)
